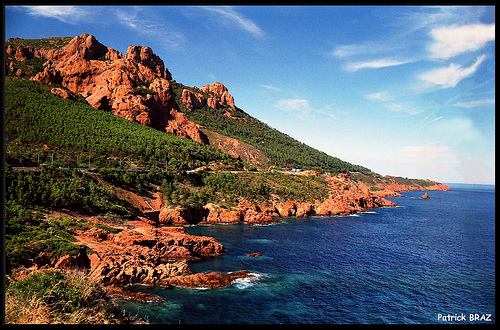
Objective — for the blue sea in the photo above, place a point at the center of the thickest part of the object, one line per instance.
(425, 261)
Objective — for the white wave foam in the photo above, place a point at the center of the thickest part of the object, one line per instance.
(246, 282)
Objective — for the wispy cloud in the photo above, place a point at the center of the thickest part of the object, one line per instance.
(383, 63)
(299, 106)
(66, 14)
(368, 48)
(404, 107)
(454, 40)
(474, 104)
(270, 87)
(150, 26)
(380, 96)
(451, 75)
(229, 14)
(427, 122)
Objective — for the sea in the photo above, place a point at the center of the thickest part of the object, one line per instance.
(427, 261)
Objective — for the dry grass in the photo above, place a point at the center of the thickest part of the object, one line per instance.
(19, 310)
(24, 304)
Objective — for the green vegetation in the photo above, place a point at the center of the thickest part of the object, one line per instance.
(58, 189)
(143, 91)
(411, 182)
(227, 189)
(30, 193)
(45, 43)
(75, 131)
(375, 179)
(302, 188)
(56, 296)
(194, 190)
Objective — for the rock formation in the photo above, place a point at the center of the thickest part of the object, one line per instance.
(219, 93)
(193, 100)
(218, 97)
(135, 86)
(142, 255)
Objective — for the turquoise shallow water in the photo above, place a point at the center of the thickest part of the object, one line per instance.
(417, 263)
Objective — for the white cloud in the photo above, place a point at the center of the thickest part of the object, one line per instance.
(451, 75)
(374, 64)
(474, 104)
(300, 106)
(228, 13)
(66, 14)
(453, 40)
(152, 27)
(380, 96)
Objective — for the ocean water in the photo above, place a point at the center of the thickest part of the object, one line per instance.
(426, 261)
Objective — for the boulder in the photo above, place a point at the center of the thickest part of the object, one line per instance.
(254, 254)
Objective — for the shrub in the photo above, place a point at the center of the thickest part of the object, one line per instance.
(56, 296)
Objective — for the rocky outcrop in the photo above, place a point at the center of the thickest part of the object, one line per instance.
(44, 259)
(219, 93)
(394, 186)
(193, 100)
(208, 280)
(167, 243)
(425, 196)
(218, 97)
(183, 127)
(135, 86)
(139, 256)
(217, 215)
(142, 254)
(146, 57)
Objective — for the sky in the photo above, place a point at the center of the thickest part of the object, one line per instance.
(402, 90)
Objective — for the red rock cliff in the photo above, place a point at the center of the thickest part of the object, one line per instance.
(135, 86)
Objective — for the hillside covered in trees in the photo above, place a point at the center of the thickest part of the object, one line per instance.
(26, 58)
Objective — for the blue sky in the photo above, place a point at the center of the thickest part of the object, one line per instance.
(406, 91)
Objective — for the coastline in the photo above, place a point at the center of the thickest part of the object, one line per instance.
(154, 252)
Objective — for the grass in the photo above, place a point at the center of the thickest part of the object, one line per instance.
(59, 297)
